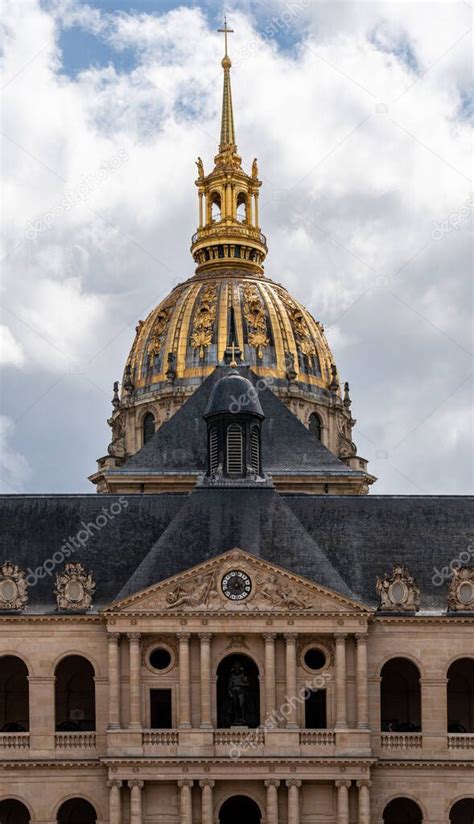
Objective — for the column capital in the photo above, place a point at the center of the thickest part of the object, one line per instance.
(114, 782)
(185, 782)
(293, 782)
(290, 637)
(183, 636)
(361, 637)
(113, 637)
(339, 637)
(364, 782)
(205, 636)
(343, 782)
(134, 636)
(136, 782)
(269, 637)
(272, 782)
(207, 782)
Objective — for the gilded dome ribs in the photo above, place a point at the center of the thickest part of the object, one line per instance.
(254, 312)
(204, 319)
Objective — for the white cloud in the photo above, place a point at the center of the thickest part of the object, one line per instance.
(14, 467)
(11, 352)
(351, 191)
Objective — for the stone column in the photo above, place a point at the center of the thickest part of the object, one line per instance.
(341, 700)
(206, 702)
(343, 800)
(207, 806)
(270, 686)
(362, 682)
(364, 801)
(290, 640)
(114, 680)
(184, 681)
(115, 801)
(186, 802)
(136, 788)
(293, 800)
(135, 681)
(200, 211)
(272, 785)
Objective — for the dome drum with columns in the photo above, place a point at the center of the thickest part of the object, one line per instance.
(229, 302)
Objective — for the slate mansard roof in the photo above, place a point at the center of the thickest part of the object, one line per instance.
(341, 542)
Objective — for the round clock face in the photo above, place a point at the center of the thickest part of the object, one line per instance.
(236, 585)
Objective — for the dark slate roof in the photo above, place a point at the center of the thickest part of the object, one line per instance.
(342, 542)
(287, 446)
(233, 393)
(364, 536)
(215, 520)
(35, 529)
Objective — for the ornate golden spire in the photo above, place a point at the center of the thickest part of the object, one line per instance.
(229, 231)
(227, 122)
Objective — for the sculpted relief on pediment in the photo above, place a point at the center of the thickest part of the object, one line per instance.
(236, 581)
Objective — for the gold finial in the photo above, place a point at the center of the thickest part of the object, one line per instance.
(233, 362)
(225, 31)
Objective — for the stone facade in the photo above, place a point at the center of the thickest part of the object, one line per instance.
(131, 771)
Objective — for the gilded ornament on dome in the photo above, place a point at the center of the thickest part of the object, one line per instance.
(158, 331)
(254, 314)
(201, 336)
(299, 326)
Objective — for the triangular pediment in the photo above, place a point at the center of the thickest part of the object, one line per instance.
(262, 587)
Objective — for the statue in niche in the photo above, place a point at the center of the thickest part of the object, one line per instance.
(238, 689)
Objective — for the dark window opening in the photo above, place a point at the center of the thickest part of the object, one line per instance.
(148, 426)
(238, 693)
(161, 716)
(315, 710)
(400, 696)
(13, 812)
(75, 695)
(213, 449)
(255, 449)
(77, 811)
(315, 425)
(315, 659)
(402, 811)
(14, 695)
(462, 812)
(461, 696)
(160, 658)
(234, 449)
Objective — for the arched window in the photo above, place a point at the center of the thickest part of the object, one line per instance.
(462, 812)
(13, 812)
(238, 692)
(77, 811)
(216, 209)
(213, 449)
(461, 696)
(234, 449)
(242, 214)
(148, 426)
(255, 449)
(75, 694)
(14, 695)
(315, 425)
(240, 808)
(400, 696)
(402, 811)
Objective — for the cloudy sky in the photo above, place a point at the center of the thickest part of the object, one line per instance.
(361, 117)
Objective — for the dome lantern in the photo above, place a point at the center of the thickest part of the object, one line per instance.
(229, 230)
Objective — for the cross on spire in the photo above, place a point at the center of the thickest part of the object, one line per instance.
(225, 31)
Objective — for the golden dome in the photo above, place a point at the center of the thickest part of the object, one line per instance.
(187, 335)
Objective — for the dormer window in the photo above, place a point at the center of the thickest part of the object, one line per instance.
(148, 427)
(234, 449)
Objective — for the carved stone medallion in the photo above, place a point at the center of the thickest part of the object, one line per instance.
(461, 590)
(13, 587)
(398, 592)
(74, 587)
